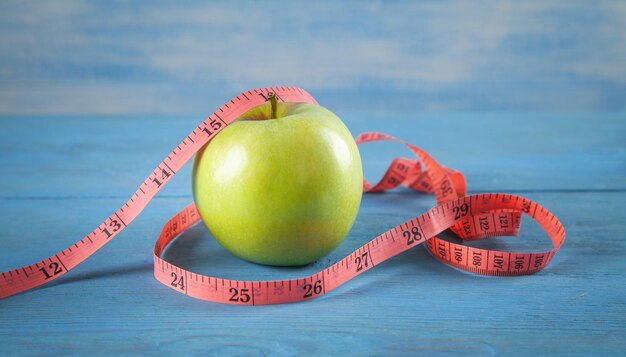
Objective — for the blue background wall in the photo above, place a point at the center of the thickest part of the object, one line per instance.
(146, 57)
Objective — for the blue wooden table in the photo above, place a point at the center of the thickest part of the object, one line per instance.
(62, 175)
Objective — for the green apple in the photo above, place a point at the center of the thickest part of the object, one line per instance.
(281, 185)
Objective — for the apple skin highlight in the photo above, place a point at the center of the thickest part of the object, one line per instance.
(281, 185)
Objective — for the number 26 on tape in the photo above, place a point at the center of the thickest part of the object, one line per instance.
(314, 289)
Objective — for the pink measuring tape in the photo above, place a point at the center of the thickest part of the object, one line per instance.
(469, 217)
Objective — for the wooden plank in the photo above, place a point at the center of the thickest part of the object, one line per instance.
(508, 151)
(109, 157)
(411, 304)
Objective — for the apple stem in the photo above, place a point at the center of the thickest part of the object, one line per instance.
(271, 97)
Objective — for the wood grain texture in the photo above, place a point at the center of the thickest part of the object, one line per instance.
(61, 176)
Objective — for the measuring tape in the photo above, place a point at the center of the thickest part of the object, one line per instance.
(469, 217)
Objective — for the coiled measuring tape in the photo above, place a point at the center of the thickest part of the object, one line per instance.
(469, 217)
